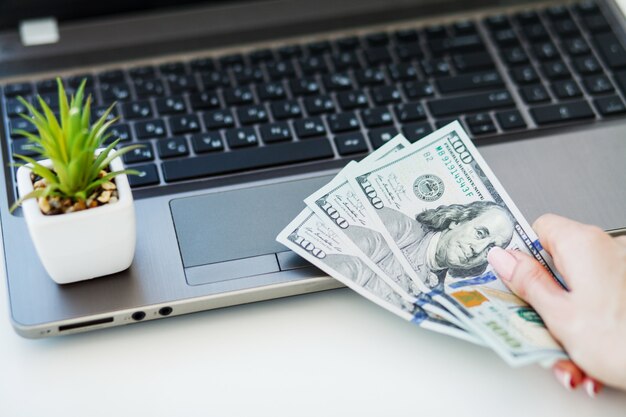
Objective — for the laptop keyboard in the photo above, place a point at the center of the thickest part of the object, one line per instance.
(339, 98)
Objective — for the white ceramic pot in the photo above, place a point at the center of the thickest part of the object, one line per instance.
(84, 244)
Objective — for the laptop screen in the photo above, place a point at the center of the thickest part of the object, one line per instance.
(14, 11)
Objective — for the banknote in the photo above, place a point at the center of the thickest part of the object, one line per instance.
(310, 237)
(344, 212)
(440, 209)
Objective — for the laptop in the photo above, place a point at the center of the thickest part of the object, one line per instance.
(246, 107)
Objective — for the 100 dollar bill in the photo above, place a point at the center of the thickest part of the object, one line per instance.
(440, 209)
(310, 237)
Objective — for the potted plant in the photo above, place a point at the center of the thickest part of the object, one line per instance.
(76, 200)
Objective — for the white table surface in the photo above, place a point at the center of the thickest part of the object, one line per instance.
(324, 354)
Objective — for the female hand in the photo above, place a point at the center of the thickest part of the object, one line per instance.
(589, 320)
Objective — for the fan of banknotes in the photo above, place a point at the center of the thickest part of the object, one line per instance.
(409, 228)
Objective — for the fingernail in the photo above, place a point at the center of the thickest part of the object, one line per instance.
(565, 378)
(502, 261)
(591, 387)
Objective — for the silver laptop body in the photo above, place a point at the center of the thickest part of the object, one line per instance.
(207, 243)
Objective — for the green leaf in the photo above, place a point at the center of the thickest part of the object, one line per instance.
(33, 194)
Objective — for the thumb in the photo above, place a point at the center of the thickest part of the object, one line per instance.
(530, 281)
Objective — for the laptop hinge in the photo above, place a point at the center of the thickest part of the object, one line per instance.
(39, 31)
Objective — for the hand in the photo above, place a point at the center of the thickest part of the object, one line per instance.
(589, 320)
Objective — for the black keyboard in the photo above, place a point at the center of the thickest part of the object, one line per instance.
(343, 97)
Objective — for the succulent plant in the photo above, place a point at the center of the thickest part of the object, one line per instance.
(70, 142)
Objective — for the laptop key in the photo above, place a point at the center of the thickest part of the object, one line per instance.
(350, 100)
(435, 67)
(348, 43)
(369, 76)
(207, 142)
(146, 88)
(119, 131)
(280, 70)
(148, 175)
(566, 89)
(232, 60)
(286, 109)
(143, 154)
(46, 86)
(319, 104)
(545, 51)
(111, 76)
(171, 105)
(313, 65)
(204, 100)
(246, 159)
(18, 89)
(377, 39)
(406, 35)
(378, 55)
(380, 136)
(271, 91)
(598, 84)
(337, 82)
(275, 132)
(515, 56)
(214, 79)
(416, 131)
(467, 43)
(176, 68)
(576, 46)
(346, 60)
(343, 122)
(464, 27)
(473, 81)
(417, 89)
(248, 75)
(478, 119)
(249, 115)
(290, 51)
(472, 61)
(497, 22)
(319, 47)
(562, 112)
(525, 75)
(472, 103)
(483, 129)
(145, 72)
(311, 127)
(385, 95)
(586, 65)
(261, 55)
(304, 86)
(218, 119)
(202, 64)
(98, 111)
(150, 129)
(535, 32)
(18, 123)
(188, 123)
(350, 143)
(409, 51)
(137, 109)
(510, 119)
(555, 70)
(596, 23)
(241, 137)
(25, 147)
(115, 92)
(238, 95)
(410, 112)
(172, 147)
(610, 106)
(611, 50)
(378, 116)
(566, 28)
(51, 99)
(402, 72)
(444, 122)
(14, 107)
(182, 84)
(534, 94)
(505, 37)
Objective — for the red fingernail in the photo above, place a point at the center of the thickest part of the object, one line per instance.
(565, 378)
(592, 388)
(502, 261)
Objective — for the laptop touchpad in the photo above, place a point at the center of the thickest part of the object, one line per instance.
(232, 234)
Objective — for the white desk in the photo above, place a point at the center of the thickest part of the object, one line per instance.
(325, 354)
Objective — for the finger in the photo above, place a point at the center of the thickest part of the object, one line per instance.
(553, 230)
(530, 281)
(568, 374)
(592, 387)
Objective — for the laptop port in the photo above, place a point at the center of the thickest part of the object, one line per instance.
(85, 324)
(138, 315)
(165, 311)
